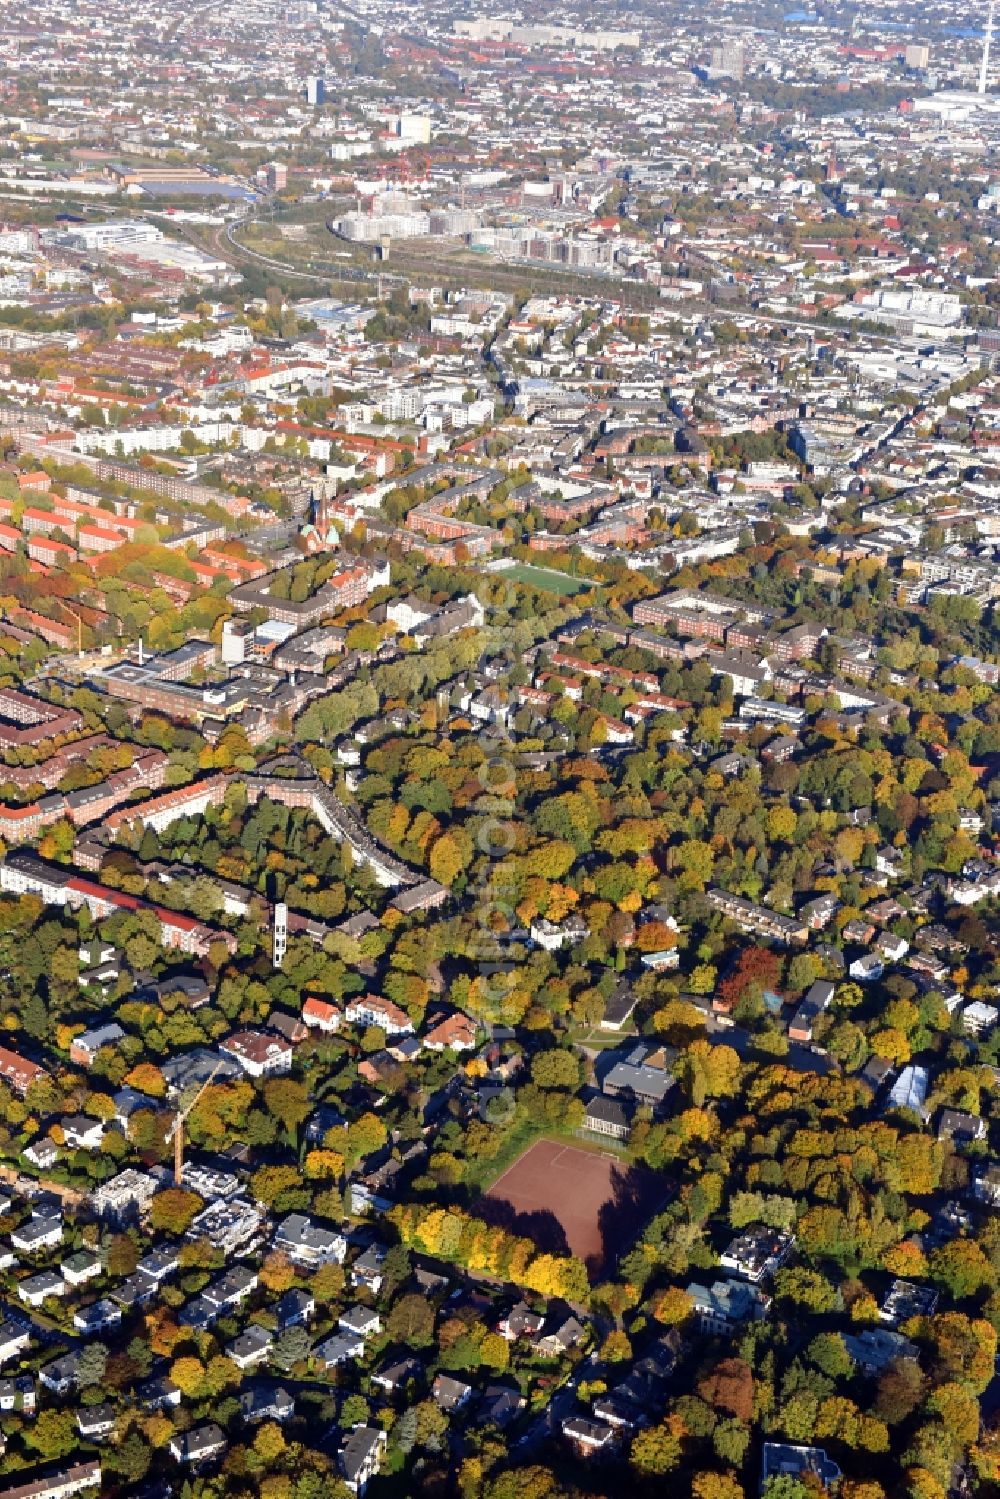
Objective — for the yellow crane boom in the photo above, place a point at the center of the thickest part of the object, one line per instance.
(176, 1131)
(79, 626)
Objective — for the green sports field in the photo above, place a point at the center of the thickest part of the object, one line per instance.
(549, 582)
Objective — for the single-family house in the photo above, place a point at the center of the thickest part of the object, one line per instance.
(80, 1267)
(555, 1341)
(361, 1321)
(38, 1287)
(986, 1184)
(259, 1053)
(295, 1309)
(81, 1133)
(961, 1128)
(450, 1394)
(397, 1374)
(455, 1033)
(97, 1316)
(726, 1305)
(339, 1349)
(780, 1459)
(251, 1347)
(360, 1456)
(14, 1339)
(588, 1436)
(501, 1404)
(84, 1048)
(267, 1403)
(95, 1422)
(367, 1269)
(321, 1015)
(200, 1445)
(36, 1233)
(232, 1288)
(61, 1374)
(308, 1243)
(520, 1322)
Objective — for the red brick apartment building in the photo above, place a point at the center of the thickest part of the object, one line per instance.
(29, 720)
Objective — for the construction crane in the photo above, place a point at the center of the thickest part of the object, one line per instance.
(984, 71)
(79, 626)
(176, 1130)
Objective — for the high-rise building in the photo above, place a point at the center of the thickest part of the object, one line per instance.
(413, 127)
(277, 176)
(963, 104)
(729, 60)
(236, 636)
(984, 71)
(279, 934)
(917, 56)
(316, 91)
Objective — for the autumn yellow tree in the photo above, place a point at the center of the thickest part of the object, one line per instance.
(188, 1374)
(446, 861)
(656, 1451)
(323, 1165)
(673, 1306)
(277, 1272)
(716, 1486)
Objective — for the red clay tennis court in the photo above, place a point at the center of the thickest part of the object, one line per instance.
(565, 1198)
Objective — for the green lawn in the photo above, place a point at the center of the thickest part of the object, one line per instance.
(546, 580)
(598, 1039)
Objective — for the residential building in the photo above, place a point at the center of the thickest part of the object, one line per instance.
(372, 1009)
(454, 1033)
(320, 1014)
(340, 1348)
(904, 1300)
(59, 1481)
(779, 1459)
(309, 1243)
(200, 1445)
(961, 1129)
(14, 1339)
(37, 1288)
(816, 1001)
(588, 1437)
(85, 1047)
(96, 1422)
(757, 1253)
(450, 1394)
(726, 1305)
(761, 920)
(877, 1347)
(259, 1053)
(360, 1456)
(18, 1073)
